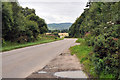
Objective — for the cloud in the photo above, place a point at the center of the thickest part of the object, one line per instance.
(56, 12)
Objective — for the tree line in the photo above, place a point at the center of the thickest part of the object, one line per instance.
(59, 31)
(99, 24)
(21, 24)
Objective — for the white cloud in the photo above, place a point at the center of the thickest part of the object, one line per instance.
(56, 12)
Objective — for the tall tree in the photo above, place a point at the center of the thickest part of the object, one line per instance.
(7, 20)
(41, 23)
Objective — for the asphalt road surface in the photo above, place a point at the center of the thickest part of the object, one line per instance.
(20, 63)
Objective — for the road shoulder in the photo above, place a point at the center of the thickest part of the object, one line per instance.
(64, 62)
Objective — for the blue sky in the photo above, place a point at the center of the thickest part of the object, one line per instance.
(56, 11)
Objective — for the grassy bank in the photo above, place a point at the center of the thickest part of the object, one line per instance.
(86, 55)
(83, 51)
(14, 45)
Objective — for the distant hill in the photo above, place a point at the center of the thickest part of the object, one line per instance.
(59, 26)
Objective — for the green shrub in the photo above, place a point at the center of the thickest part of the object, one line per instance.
(110, 76)
(3, 42)
(107, 56)
(89, 38)
(32, 30)
(80, 40)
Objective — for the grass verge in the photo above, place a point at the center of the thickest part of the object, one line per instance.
(13, 45)
(83, 52)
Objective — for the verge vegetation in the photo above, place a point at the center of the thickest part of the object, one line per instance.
(99, 25)
(42, 39)
(83, 51)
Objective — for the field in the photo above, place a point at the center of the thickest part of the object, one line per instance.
(63, 34)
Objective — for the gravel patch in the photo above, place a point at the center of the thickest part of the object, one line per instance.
(64, 62)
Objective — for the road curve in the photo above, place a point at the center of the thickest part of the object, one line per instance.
(20, 63)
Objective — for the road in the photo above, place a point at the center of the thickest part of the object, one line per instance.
(20, 63)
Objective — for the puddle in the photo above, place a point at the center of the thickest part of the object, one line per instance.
(42, 72)
(71, 74)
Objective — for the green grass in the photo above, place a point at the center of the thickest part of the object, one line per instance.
(109, 76)
(80, 40)
(13, 45)
(83, 51)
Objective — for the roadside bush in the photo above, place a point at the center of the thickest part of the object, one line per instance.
(19, 24)
(107, 56)
(22, 39)
(102, 21)
(80, 40)
(89, 38)
(32, 30)
(3, 42)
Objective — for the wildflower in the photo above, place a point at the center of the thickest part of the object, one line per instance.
(116, 39)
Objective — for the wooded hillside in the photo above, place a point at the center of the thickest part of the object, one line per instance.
(59, 26)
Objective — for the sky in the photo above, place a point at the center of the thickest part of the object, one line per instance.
(56, 11)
